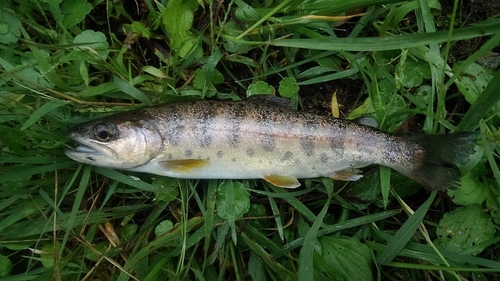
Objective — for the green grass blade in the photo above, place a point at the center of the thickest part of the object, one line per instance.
(137, 183)
(372, 44)
(306, 268)
(404, 234)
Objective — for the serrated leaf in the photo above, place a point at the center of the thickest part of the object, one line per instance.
(200, 80)
(343, 258)
(260, 88)
(463, 228)
(288, 87)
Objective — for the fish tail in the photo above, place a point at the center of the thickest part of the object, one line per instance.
(438, 167)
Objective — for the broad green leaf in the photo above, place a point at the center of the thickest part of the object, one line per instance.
(139, 28)
(470, 191)
(260, 88)
(127, 232)
(100, 248)
(168, 189)
(473, 81)
(232, 201)
(94, 40)
(200, 80)
(47, 253)
(74, 11)
(288, 87)
(5, 265)
(463, 228)
(412, 73)
(178, 19)
(343, 258)
(163, 227)
(10, 27)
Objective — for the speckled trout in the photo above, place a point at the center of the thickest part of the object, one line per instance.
(241, 140)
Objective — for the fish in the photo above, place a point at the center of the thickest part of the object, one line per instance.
(244, 140)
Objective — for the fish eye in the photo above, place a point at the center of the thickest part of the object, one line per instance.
(103, 132)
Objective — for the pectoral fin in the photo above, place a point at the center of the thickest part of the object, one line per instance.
(282, 181)
(185, 165)
(349, 174)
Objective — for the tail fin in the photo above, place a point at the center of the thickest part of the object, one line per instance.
(438, 170)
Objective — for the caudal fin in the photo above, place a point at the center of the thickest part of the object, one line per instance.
(438, 170)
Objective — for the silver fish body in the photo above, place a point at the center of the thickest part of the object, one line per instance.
(240, 140)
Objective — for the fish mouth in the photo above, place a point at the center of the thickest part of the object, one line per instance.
(83, 153)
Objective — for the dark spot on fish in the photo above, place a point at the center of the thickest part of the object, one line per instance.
(288, 155)
(220, 154)
(324, 158)
(234, 159)
(260, 161)
(188, 153)
(313, 168)
(204, 120)
(250, 152)
(236, 115)
(266, 126)
(337, 142)
(267, 142)
(307, 139)
(298, 161)
(169, 156)
(90, 158)
(307, 145)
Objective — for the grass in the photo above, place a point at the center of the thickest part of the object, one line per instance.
(396, 62)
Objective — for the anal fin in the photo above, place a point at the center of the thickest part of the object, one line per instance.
(349, 174)
(185, 165)
(282, 181)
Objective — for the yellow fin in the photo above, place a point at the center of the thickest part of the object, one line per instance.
(282, 181)
(185, 165)
(349, 174)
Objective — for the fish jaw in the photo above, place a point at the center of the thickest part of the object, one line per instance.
(114, 143)
(89, 152)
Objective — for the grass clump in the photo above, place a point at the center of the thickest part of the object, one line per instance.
(399, 63)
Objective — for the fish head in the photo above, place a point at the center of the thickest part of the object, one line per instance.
(115, 142)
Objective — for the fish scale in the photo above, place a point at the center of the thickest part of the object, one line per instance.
(242, 140)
